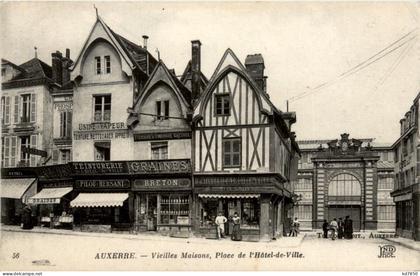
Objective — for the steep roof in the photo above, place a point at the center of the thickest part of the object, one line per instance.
(5, 61)
(137, 54)
(187, 76)
(34, 69)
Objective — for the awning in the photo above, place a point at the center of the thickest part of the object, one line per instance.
(99, 200)
(49, 195)
(229, 195)
(15, 188)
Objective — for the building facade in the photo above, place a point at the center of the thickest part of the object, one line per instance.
(344, 177)
(407, 159)
(243, 152)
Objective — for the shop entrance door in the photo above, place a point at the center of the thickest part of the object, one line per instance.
(346, 210)
(152, 212)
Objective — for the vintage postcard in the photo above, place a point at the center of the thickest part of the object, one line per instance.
(144, 136)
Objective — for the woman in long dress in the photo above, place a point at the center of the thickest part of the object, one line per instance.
(236, 233)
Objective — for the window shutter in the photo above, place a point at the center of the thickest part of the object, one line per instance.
(13, 151)
(34, 145)
(7, 111)
(55, 155)
(16, 111)
(6, 151)
(33, 108)
(69, 122)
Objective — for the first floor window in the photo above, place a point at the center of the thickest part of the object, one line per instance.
(65, 156)
(102, 151)
(303, 212)
(232, 152)
(102, 108)
(159, 150)
(5, 110)
(65, 124)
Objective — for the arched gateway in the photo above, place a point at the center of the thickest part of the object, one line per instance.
(345, 198)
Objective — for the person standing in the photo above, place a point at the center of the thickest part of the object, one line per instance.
(295, 228)
(348, 228)
(27, 217)
(340, 228)
(220, 223)
(325, 229)
(334, 227)
(236, 233)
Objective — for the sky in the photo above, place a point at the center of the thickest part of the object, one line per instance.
(304, 45)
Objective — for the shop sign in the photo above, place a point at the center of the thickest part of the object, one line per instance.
(54, 171)
(101, 168)
(403, 197)
(159, 166)
(63, 106)
(44, 200)
(234, 181)
(161, 184)
(33, 151)
(103, 184)
(162, 136)
(183, 220)
(59, 184)
(101, 126)
(101, 135)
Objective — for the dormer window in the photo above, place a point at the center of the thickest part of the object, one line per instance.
(162, 110)
(222, 102)
(107, 64)
(98, 65)
(103, 68)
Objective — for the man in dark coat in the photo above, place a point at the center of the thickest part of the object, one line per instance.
(27, 217)
(348, 228)
(325, 229)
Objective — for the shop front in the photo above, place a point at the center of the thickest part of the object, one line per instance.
(162, 196)
(259, 201)
(104, 199)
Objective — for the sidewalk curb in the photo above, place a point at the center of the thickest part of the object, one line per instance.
(402, 244)
(124, 236)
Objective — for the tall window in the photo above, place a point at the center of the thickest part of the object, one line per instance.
(102, 151)
(304, 184)
(26, 108)
(24, 155)
(344, 185)
(5, 110)
(98, 65)
(232, 152)
(222, 102)
(3, 72)
(102, 107)
(107, 64)
(65, 124)
(162, 110)
(159, 150)
(303, 211)
(386, 183)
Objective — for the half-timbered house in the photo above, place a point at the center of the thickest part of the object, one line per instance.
(243, 152)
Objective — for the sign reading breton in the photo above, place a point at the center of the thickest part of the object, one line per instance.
(166, 183)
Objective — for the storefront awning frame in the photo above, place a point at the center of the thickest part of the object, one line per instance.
(86, 200)
(17, 188)
(50, 195)
(229, 195)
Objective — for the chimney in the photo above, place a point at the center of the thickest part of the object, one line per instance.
(255, 67)
(195, 68)
(145, 38)
(57, 68)
(66, 62)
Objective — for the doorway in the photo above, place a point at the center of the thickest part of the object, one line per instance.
(341, 211)
(151, 212)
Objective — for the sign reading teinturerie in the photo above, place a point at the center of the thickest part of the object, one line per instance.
(166, 183)
(103, 184)
(159, 166)
(88, 168)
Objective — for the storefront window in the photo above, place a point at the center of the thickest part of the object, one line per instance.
(250, 214)
(174, 209)
(208, 211)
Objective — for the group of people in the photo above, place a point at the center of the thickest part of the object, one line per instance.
(339, 229)
(220, 224)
